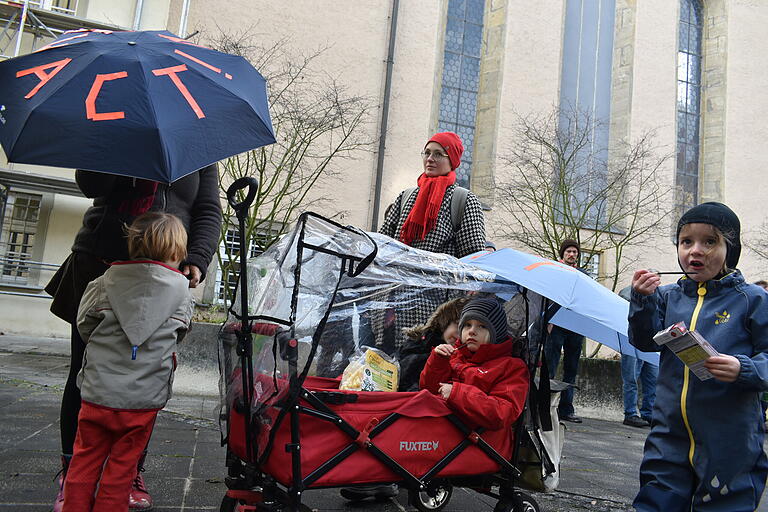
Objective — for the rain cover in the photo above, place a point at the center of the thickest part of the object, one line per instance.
(315, 272)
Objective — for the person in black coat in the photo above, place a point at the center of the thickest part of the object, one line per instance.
(441, 327)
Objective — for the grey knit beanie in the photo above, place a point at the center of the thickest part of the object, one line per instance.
(490, 313)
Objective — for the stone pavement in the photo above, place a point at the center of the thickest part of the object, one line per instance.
(185, 468)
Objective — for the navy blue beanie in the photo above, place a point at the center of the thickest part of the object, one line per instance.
(723, 218)
(490, 313)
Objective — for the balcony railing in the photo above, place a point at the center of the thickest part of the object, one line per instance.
(60, 6)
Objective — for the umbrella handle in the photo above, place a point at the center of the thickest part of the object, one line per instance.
(237, 185)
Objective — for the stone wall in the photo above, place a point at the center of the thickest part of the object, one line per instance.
(599, 383)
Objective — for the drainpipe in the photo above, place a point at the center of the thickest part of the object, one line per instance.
(384, 116)
(183, 20)
(22, 21)
(137, 14)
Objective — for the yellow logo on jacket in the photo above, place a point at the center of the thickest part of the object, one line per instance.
(722, 317)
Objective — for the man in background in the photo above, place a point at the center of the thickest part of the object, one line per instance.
(570, 343)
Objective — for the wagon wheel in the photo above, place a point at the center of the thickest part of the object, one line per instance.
(435, 497)
(520, 502)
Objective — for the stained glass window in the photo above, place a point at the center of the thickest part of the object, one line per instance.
(688, 103)
(461, 77)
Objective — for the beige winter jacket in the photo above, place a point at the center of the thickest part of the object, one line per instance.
(131, 319)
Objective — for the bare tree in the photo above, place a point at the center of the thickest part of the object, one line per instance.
(559, 183)
(757, 241)
(317, 123)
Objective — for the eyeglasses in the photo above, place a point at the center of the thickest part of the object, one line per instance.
(436, 155)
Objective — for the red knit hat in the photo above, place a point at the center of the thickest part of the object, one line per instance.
(452, 145)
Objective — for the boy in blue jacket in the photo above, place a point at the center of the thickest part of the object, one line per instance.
(705, 449)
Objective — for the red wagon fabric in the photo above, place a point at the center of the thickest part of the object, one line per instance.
(420, 437)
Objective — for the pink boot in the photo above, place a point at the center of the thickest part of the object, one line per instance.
(139, 499)
(58, 503)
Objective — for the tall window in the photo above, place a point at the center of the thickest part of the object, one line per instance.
(19, 214)
(585, 91)
(461, 77)
(688, 103)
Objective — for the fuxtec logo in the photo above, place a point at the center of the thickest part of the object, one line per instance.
(2, 117)
(418, 446)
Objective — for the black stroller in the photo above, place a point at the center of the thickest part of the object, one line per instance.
(302, 308)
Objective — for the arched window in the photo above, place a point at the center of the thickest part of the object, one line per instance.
(688, 102)
(461, 77)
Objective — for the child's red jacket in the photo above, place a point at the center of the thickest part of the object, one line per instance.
(489, 386)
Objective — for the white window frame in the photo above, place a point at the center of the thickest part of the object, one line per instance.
(12, 271)
(54, 6)
(593, 268)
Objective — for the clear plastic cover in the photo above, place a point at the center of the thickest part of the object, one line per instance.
(310, 273)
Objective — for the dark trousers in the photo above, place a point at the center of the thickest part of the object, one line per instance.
(67, 287)
(570, 343)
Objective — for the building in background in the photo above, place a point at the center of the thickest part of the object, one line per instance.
(691, 70)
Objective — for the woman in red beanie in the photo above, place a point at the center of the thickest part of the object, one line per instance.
(422, 218)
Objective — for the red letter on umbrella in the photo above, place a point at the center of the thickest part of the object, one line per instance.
(90, 101)
(171, 72)
(44, 77)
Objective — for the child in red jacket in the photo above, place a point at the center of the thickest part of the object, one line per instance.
(478, 376)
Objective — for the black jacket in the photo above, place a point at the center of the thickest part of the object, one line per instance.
(413, 356)
(194, 199)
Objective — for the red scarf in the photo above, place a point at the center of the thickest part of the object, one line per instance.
(141, 201)
(423, 216)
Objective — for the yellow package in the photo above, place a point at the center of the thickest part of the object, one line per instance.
(372, 370)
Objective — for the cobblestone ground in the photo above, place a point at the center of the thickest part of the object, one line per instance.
(599, 469)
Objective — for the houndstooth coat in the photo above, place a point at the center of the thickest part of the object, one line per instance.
(468, 239)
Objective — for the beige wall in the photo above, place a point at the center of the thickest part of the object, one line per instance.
(356, 35)
(746, 131)
(115, 13)
(356, 40)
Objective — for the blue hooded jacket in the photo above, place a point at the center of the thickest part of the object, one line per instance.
(712, 428)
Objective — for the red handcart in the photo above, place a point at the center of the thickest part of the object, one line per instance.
(302, 308)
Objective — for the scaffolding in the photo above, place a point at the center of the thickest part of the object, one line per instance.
(44, 20)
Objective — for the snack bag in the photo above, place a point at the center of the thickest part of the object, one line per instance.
(371, 370)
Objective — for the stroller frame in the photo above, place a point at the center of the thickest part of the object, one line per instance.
(251, 489)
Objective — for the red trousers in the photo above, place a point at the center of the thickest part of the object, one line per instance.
(115, 436)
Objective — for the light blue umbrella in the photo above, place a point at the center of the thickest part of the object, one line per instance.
(587, 307)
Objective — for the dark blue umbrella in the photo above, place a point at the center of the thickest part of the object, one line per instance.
(140, 104)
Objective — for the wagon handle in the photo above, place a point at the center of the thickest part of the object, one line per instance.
(245, 339)
(239, 184)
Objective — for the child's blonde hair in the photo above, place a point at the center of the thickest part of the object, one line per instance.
(157, 236)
